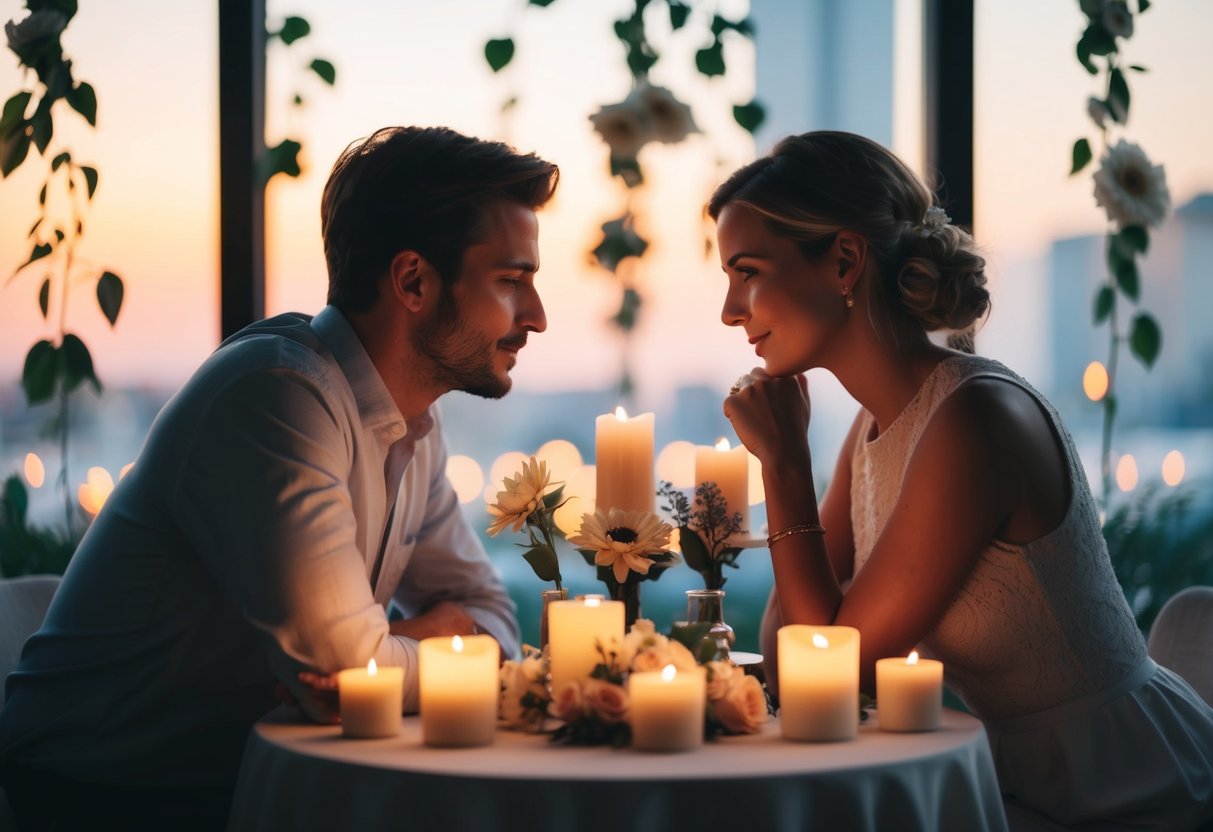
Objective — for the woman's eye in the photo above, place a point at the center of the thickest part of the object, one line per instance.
(746, 274)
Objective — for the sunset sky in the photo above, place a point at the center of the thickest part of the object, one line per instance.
(155, 216)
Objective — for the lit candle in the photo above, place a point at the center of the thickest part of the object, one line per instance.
(624, 461)
(575, 628)
(818, 682)
(730, 470)
(459, 686)
(371, 700)
(909, 693)
(666, 709)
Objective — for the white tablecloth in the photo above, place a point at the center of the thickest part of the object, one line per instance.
(302, 777)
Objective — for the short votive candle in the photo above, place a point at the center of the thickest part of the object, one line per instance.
(459, 686)
(371, 699)
(818, 682)
(909, 693)
(666, 709)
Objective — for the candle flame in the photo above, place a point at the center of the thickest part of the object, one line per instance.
(457, 644)
(372, 668)
(621, 414)
(722, 444)
(667, 673)
(593, 601)
(912, 659)
(820, 641)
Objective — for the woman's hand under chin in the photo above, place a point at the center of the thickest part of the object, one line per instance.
(770, 415)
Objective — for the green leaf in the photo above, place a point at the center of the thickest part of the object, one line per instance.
(1145, 338)
(690, 635)
(553, 499)
(1080, 156)
(42, 195)
(1099, 40)
(109, 296)
(34, 227)
(640, 58)
(77, 364)
(43, 128)
(619, 241)
(44, 296)
(283, 158)
(629, 306)
(587, 555)
(325, 69)
(694, 552)
(1134, 238)
(60, 159)
(14, 112)
(39, 251)
(749, 116)
(499, 52)
(293, 28)
(1142, 5)
(16, 501)
(710, 61)
(1105, 299)
(679, 12)
(13, 152)
(40, 373)
(90, 178)
(1128, 279)
(1118, 96)
(509, 104)
(542, 559)
(298, 100)
(83, 99)
(1138, 68)
(543, 4)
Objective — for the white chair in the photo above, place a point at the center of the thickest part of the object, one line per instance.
(1182, 638)
(23, 605)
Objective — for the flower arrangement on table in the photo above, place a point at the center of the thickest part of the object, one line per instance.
(528, 500)
(704, 530)
(627, 547)
(596, 710)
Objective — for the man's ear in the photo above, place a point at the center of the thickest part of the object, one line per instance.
(412, 281)
(851, 251)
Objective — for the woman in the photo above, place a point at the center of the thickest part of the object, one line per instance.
(959, 519)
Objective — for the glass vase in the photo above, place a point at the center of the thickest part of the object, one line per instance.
(548, 596)
(706, 606)
(629, 594)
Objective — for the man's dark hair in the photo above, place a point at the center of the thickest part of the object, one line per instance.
(419, 188)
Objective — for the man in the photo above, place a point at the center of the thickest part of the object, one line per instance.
(285, 495)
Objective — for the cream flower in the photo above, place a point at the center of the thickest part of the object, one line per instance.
(521, 495)
(623, 127)
(623, 540)
(606, 701)
(524, 694)
(1131, 189)
(722, 677)
(1117, 19)
(657, 656)
(669, 120)
(40, 24)
(743, 709)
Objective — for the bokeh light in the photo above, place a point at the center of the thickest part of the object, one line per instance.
(562, 458)
(580, 490)
(35, 471)
(1126, 473)
(126, 469)
(1173, 468)
(466, 477)
(676, 464)
(95, 490)
(506, 465)
(1095, 381)
(758, 494)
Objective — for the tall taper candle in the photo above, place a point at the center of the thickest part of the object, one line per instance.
(623, 449)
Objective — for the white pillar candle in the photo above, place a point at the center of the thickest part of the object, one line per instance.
(371, 699)
(575, 628)
(623, 450)
(459, 686)
(818, 682)
(730, 470)
(666, 709)
(909, 693)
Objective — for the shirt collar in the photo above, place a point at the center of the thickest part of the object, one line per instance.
(376, 408)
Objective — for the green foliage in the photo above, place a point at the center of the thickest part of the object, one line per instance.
(619, 241)
(498, 53)
(293, 28)
(325, 69)
(283, 157)
(1080, 156)
(1159, 544)
(749, 116)
(1145, 338)
(1105, 300)
(26, 549)
(109, 296)
(629, 309)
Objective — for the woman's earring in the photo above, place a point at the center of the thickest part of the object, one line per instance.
(848, 299)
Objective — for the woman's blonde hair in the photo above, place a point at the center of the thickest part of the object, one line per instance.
(816, 184)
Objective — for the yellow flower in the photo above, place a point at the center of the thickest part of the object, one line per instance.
(522, 494)
(623, 540)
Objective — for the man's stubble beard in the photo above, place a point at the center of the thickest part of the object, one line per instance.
(459, 359)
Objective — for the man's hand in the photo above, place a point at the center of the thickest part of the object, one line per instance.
(320, 703)
(445, 618)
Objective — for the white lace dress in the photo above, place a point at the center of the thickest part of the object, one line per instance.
(1041, 645)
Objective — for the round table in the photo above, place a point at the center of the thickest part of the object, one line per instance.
(300, 776)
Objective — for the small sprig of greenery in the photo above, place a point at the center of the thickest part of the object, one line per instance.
(704, 530)
(284, 157)
(541, 553)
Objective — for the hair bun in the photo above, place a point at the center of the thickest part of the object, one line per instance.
(942, 281)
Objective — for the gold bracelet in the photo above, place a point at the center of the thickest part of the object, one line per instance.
(803, 528)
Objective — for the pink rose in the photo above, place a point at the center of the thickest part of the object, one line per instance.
(567, 702)
(606, 701)
(722, 676)
(743, 710)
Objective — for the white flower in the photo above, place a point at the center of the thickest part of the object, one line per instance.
(658, 655)
(743, 709)
(1117, 19)
(39, 24)
(524, 695)
(1131, 189)
(624, 127)
(623, 540)
(522, 495)
(1098, 111)
(722, 677)
(669, 120)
